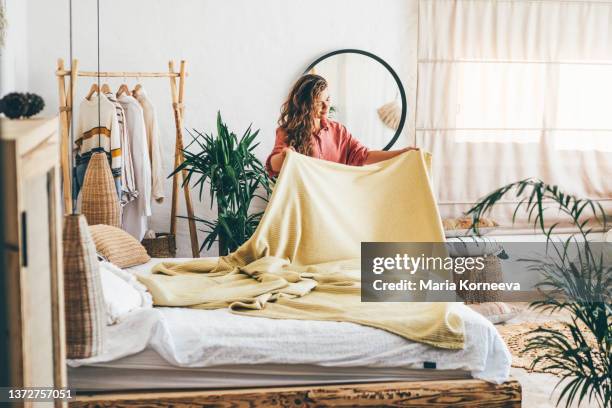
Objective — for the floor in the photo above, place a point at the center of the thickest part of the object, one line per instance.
(539, 388)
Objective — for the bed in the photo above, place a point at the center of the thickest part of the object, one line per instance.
(212, 350)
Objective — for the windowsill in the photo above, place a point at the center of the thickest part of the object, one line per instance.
(530, 234)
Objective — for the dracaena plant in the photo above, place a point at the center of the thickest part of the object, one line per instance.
(226, 165)
(580, 284)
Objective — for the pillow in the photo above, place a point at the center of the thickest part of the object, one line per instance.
(118, 247)
(122, 293)
(497, 312)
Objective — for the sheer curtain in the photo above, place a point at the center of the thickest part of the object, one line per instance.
(512, 89)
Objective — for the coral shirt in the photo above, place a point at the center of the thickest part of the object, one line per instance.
(333, 142)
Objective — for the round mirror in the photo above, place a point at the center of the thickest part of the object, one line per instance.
(366, 95)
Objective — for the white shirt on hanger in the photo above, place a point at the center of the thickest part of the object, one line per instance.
(135, 213)
(153, 136)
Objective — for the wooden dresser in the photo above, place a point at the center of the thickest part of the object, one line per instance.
(31, 284)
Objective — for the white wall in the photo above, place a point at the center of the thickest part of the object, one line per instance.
(13, 56)
(242, 56)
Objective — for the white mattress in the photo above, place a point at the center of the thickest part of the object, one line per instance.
(148, 370)
(284, 351)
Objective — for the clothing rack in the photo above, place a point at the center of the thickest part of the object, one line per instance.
(66, 104)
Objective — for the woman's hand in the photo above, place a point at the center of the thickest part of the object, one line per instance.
(276, 161)
(286, 150)
(407, 149)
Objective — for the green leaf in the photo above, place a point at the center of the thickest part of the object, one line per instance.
(585, 370)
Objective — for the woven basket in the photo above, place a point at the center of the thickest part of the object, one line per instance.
(492, 272)
(100, 202)
(162, 246)
(84, 302)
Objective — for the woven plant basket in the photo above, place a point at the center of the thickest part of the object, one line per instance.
(492, 272)
(162, 246)
(84, 302)
(100, 202)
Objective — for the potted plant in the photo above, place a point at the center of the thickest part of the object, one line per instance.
(234, 176)
(579, 284)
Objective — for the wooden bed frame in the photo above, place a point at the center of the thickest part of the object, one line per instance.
(447, 393)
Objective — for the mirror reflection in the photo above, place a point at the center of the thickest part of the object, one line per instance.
(364, 96)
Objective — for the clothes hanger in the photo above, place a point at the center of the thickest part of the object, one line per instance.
(123, 89)
(94, 89)
(106, 89)
(138, 86)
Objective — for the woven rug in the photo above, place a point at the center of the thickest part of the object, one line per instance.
(515, 336)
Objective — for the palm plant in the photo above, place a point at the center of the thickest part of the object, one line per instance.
(580, 285)
(234, 176)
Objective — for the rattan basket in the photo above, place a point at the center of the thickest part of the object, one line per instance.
(162, 246)
(492, 272)
(100, 202)
(84, 302)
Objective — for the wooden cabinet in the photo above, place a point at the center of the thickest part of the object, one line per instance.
(31, 263)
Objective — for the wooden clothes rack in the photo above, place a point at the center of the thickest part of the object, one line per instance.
(66, 104)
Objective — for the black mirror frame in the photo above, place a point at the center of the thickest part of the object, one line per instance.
(400, 127)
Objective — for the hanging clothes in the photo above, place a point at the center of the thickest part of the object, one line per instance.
(128, 185)
(97, 128)
(135, 213)
(153, 137)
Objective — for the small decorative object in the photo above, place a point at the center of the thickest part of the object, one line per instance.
(100, 202)
(16, 105)
(85, 308)
(390, 114)
(457, 227)
(35, 104)
(162, 246)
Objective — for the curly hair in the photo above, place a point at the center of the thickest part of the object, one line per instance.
(299, 111)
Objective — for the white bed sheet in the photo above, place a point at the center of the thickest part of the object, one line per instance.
(191, 338)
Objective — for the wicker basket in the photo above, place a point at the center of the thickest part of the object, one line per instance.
(162, 246)
(100, 202)
(492, 272)
(83, 297)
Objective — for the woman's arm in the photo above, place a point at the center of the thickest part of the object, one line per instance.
(375, 156)
(276, 161)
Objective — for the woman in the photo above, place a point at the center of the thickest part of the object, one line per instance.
(305, 128)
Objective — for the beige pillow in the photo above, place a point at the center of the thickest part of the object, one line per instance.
(119, 247)
(497, 312)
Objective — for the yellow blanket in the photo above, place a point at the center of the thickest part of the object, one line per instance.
(303, 260)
